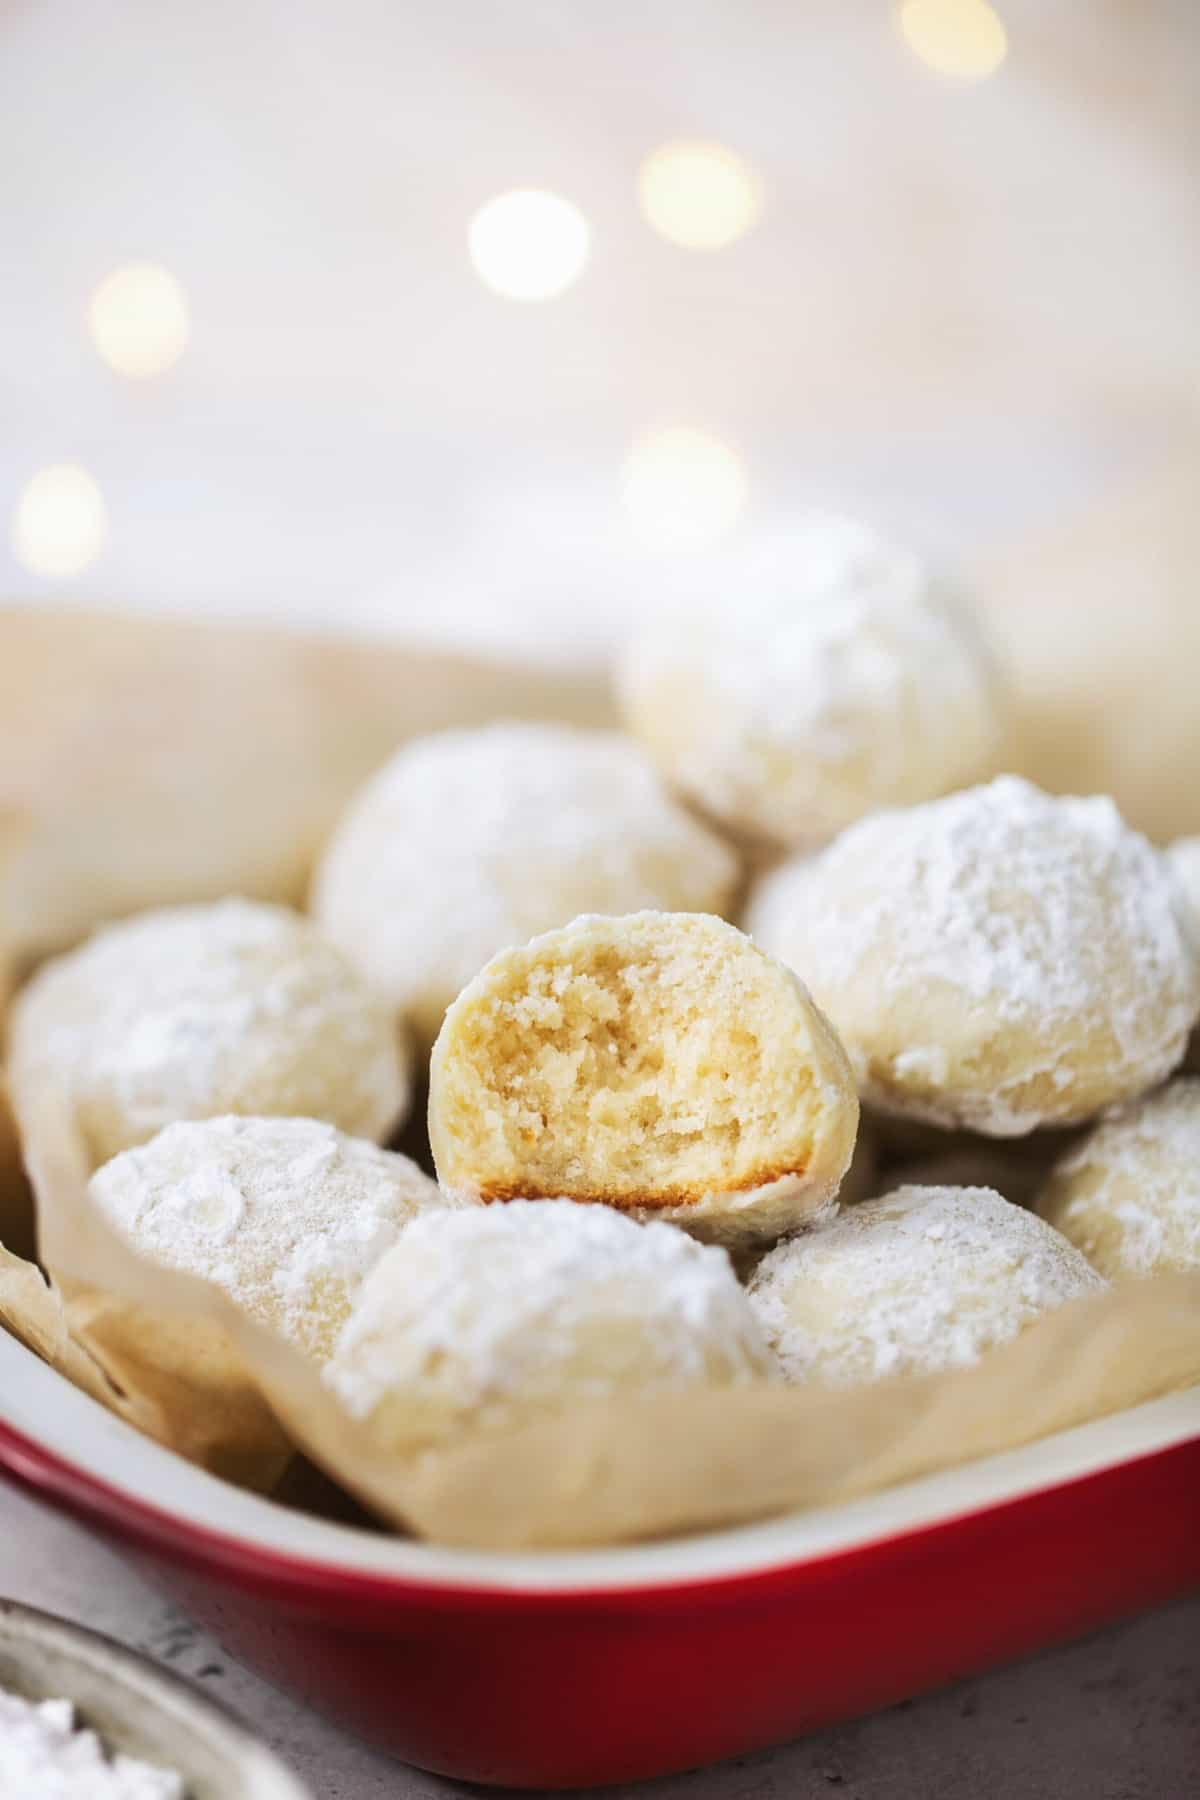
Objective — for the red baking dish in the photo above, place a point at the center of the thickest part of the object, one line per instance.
(568, 1670)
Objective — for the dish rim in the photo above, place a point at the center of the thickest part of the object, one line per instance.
(61, 1443)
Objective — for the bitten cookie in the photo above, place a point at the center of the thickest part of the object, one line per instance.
(468, 841)
(196, 1011)
(497, 1316)
(655, 1062)
(1129, 1195)
(837, 678)
(997, 960)
(921, 1280)
(658, 1063)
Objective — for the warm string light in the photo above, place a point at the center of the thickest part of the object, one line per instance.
(962, 39)
(139, 320)
(529, 244)
(683, 489)
(700, 196)
(60, 524)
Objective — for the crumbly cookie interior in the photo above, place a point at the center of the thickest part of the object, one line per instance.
(650, 1069)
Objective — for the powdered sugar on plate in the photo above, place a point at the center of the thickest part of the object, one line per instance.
(45, 1755)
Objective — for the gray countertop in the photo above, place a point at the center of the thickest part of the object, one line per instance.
(1116, 1717)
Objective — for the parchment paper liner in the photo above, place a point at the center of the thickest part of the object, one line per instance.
(646, 1466)
(145, 762)
(114, 734)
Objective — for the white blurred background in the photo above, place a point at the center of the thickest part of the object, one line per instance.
(948, 269)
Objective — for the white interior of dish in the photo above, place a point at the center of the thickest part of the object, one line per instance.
(44, 1407)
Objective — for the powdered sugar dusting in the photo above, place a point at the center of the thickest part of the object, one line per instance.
(1183, 862)
(45, 1755)
(505, 1296)
(196, 1010)
(836, 673)
(920, 1280)
(289, 1216)
(850, 613)
(1139, 1171)
(1047, 917)
(469, 841)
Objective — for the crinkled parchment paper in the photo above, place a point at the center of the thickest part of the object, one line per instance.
(149, 761)
(144, 763)
(165, 1368)
(662, 1462)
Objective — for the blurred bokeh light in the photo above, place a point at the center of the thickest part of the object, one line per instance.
(139, 320)
(529, 245)
(442, 268)
(60, 524)
(699, 196)
(964, 39)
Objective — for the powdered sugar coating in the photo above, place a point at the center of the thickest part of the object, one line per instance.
(194, 1011)
(1129, 1195)
(1183, 861)
(1183, 866)
(469, 841)
(288, 1216)
(921, 1280)
(830, 675)
(999, 959)
(498, 1314)
(45, 1754)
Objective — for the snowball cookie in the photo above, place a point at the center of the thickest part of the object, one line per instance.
(468, 841)
(997, 960)
(922, 1280)
(194, 1011)
(496, 1316)
(658, 1063)
(1183, 860)
(288, 1216)
(1129, 1195)
(838, 678)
